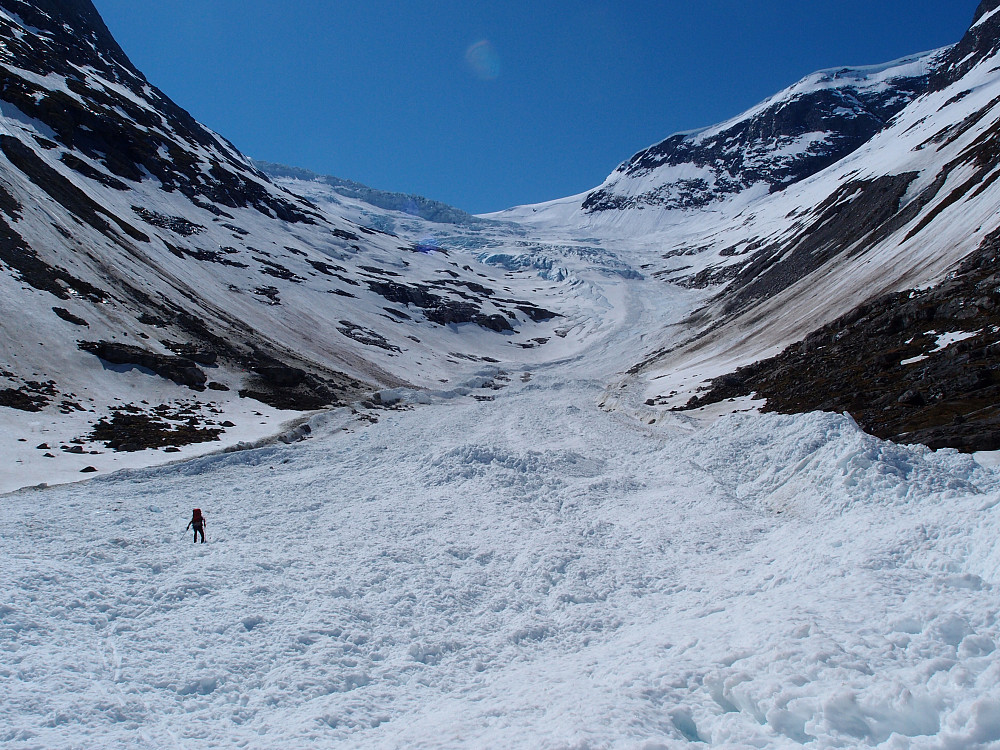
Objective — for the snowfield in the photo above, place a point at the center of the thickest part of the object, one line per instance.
(525, 572)
(518, 544)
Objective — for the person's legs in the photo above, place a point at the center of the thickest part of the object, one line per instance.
(202, 532)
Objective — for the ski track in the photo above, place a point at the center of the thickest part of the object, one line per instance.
(528, 572)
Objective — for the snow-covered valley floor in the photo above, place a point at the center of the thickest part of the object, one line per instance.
(528, 572)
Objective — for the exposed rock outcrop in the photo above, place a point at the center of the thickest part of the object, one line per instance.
(180, 370)
(916, 367)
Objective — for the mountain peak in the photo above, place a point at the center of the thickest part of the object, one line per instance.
(796, 133)
(981, 41)
(76, 27)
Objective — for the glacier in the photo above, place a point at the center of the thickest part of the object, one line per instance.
(499, 537)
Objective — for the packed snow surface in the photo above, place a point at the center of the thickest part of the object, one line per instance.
(530, 571)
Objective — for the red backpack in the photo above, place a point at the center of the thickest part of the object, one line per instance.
(197, 515)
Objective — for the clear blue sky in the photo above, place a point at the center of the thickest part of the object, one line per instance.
(490, 104)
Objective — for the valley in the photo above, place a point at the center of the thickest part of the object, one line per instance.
(702, 457)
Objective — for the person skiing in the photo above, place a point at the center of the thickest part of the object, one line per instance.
(198, 522)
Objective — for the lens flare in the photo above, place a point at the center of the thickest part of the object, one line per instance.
(484, 61)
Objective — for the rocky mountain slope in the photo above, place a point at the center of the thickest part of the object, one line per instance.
(792, 246)
(916, 366)
(920, 363)
(158, 289)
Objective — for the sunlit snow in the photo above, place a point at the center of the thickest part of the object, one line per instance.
(527, 572)
(531, 549)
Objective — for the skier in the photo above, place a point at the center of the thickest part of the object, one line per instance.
(198, 522)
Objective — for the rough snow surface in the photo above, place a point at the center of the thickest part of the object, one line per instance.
(525, 572)
(544, 558)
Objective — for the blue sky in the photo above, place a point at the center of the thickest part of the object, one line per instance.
(490, 104)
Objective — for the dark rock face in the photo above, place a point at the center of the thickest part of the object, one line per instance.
(31, 396)
(18, 255)
(175, 224)
(158, 139)
(537, 314)
(272, 382)
(438, 309)
(889, 364)
(79, 165)
(366, 336)
(981, 41)
(286, 386)
(281, 376)
(199, 354)
(69, 317)
(446, 310)
(180, 370)
(310, 393)
(838, 117)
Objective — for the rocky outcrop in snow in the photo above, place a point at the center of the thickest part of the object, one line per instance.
(793, 135)
(129, 226)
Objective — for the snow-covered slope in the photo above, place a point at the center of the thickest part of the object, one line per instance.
(901, 210)
(151, 262)
(146, 263)
(524, 573)
(484, 544)
(156, 279)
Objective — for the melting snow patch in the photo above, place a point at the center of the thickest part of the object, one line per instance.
(945, 340)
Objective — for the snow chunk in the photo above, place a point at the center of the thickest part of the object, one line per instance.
(945, 340)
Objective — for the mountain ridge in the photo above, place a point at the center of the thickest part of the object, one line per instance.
(416, 205)
(156, 264)
(790, 136)
(147, 263)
